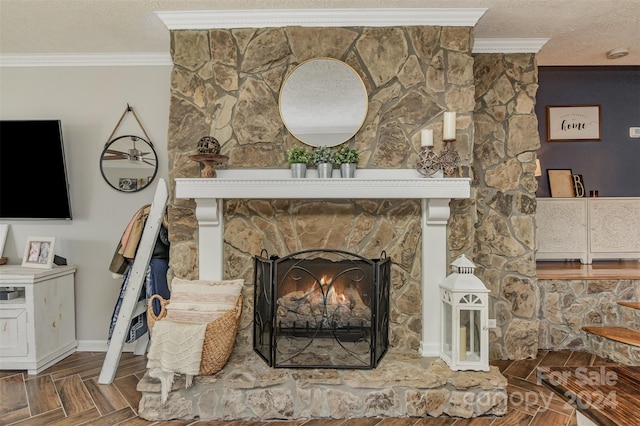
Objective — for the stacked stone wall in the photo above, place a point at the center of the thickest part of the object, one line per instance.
(505, 141)
(226, 83)
(568, 305)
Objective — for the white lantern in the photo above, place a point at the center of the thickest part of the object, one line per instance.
(464, 341)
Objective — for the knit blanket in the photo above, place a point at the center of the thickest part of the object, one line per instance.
(176, 348)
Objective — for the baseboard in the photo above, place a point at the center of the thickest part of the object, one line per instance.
(101, 346)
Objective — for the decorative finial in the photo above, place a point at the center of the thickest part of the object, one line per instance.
(208, 145)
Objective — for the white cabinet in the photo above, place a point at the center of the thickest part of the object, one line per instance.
(614, 228)
(562, 229)
(588, 228)
(37, 328)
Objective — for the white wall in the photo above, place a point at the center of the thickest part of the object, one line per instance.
(89, 101)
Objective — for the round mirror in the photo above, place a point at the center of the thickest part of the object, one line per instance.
(129, 163)
(323, 101)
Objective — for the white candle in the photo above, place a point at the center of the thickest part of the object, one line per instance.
(449, 128)
(463, 343)
(427, 137)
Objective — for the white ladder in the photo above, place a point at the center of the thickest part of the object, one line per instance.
(134, 287)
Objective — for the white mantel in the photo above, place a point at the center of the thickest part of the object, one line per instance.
(435, 194)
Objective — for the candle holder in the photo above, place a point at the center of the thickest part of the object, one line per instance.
(429, 163)
(208, 156)
(208, 163)
(449, 157)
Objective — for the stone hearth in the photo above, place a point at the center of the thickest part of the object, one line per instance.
(403, 385)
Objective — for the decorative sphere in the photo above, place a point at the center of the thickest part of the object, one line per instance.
(208, 145)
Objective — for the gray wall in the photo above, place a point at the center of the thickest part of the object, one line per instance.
(89, 101)
(612, 165)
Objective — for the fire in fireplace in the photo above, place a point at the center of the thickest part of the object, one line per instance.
(321, 309)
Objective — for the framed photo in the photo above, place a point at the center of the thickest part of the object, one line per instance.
(38, 253)
(573, 123)
(561, 183)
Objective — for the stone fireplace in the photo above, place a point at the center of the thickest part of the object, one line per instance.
(416, 64)
(225, 83)
(321, 309)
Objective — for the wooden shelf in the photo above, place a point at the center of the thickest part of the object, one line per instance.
(619, 334)
(633, 305)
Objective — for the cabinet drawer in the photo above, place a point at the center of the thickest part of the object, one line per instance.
(13, 332)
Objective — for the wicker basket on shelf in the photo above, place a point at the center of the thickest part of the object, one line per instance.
(219, 337)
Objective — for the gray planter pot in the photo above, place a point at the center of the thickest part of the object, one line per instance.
(325, 170)
(298, 170)
(348, 170)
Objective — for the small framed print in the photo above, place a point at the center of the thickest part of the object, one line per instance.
(38, 253)
(561, 183)
(573, 123)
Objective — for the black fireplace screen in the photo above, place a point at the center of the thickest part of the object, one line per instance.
(321, 309)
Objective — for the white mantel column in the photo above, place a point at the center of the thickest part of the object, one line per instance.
(435, 215)
(210, 238)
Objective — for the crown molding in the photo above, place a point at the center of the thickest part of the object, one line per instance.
(89, 60)
(508, 45)
(262, 18)
(488, 45)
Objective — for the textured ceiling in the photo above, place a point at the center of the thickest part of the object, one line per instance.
(580, 32)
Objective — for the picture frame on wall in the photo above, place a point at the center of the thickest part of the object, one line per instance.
(38, 252)
(561, 183)
(571, 123)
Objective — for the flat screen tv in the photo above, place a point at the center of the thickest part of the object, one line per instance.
(33, 172)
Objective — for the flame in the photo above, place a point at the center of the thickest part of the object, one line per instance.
(324, 281)
(333, 298)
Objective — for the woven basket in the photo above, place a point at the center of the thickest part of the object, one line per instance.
(218, 339)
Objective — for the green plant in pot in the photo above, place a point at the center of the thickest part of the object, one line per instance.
(298, 157)
(323, 157)
(347, 158)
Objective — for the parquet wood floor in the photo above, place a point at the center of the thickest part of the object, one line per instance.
(68, 393)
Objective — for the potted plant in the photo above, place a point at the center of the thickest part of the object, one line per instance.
(323, 157)
(347, 158)
(298, 157)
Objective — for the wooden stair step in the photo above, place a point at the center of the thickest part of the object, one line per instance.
(619, 334)
(607, 396)
(634, 305)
